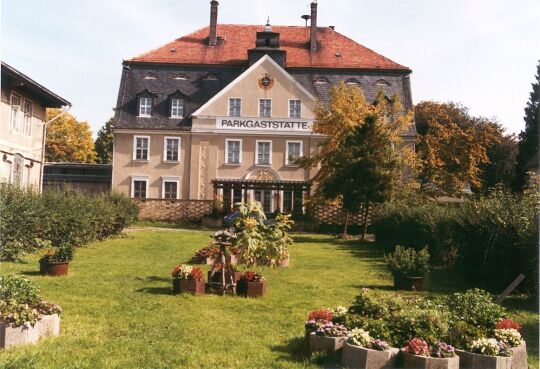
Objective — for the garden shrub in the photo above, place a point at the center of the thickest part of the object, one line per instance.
(491, 239)
(18, 290)
(430, 325)
(61, 217)
(371, 304)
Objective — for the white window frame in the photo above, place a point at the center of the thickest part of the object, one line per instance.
(257, 152)
(141, 105)
(260, 116)
(173, 180)
(229, 107)
(135, 148)
(291, 100)
(14, 122)
(142, 179)
(287, 162)
(179, 139)
(227, 151)
(183, 104)
(27, 124)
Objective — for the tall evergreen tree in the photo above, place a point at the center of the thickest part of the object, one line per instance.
(528, 138)
(104, 143)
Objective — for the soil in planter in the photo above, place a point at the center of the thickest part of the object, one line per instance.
(54, 269)
(251, 289)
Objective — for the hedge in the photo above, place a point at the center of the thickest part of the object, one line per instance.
(28, 218)
(490, 240)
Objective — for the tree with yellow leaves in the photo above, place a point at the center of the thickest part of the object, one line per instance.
(358, 162)
(68, 140)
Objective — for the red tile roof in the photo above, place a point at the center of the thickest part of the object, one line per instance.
(237, 39)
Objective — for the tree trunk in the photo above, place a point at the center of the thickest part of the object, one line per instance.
(366, 219)
(346, 227)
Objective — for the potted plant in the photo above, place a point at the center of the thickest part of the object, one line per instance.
(315, 318)
(486, 353)
(55, 260)
(206, 255)
(251, 284)
(24, 316)
(328, 337)
(188, 279)
(507, 331)
(408, 267)
(361, 351)
(417, 354)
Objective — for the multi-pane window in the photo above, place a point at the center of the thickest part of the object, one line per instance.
(177, 108)
(170, 189)
(235, 107)
(295, 108)
(264, 152)
(287, 202)
(27, 124)
(265, 107)
(237, 195)
(233, 151)
(172, 148)
(139, 189)
(265, 198)
(14, 118)
(145, 106)
(141, 148)
(18, 165)
(294, 151)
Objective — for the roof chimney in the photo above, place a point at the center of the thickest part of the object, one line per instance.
(313, 33)
(212, 41)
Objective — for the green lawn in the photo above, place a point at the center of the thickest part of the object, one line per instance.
(119, 311)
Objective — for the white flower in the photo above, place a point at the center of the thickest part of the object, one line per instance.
(510, 336)
(359, 337)
(339, 311)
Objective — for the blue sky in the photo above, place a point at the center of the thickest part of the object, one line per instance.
(482, 53)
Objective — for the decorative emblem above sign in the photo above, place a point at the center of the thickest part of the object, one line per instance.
(264, 124)
(266, 81)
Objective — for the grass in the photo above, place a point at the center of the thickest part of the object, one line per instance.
(119, 311)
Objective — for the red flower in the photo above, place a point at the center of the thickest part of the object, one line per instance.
(252, 276)
(417, 346)
(196, 274)
(508, 324)
(319, 315)
(176, 270)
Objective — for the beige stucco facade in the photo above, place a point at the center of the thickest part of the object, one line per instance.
(21, 140)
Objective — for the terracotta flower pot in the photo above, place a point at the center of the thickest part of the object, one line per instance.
(53, 269)
(217, 277)
(188, 286)
(424, 362)
(408, 283)
(471, 360)
(519, 356)
(356, 357)
(326, 344)
(251, 289)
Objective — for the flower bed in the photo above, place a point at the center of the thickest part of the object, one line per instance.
(24, 316)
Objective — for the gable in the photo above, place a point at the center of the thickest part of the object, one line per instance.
(249, 87)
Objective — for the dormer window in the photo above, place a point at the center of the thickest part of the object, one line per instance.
(177, 107)
(352, 82)
(150, 76)
(211, 77)
(382, 82)
(145, 107)
(321, 81)
(180, 77)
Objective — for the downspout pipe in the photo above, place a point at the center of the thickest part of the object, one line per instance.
(65, 109)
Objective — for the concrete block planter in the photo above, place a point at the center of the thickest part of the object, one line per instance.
(519, 356)
(11, 336)
(356, 357)
(251, 289)
(470, 360)
(49, 325)
(326, 344)
(423, 362)
(54, 269)
(188, 286)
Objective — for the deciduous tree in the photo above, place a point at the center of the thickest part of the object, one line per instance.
(68, 140)
(357, 162)
(104, 143)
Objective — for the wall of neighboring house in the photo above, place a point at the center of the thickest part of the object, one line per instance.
(21, 137)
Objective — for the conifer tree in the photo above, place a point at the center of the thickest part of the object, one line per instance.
(104, 143)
